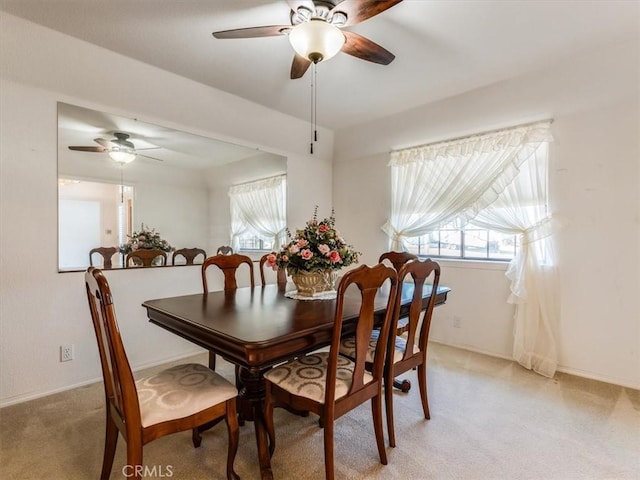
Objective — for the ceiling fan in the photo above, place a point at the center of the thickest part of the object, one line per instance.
(316, 31)
(119, 148)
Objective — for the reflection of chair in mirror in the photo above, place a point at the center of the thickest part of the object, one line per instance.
(107, 254)
(145, 258)
(281, 273)
(180, 398)
(224, 250)
(330, 384)
(189, 254)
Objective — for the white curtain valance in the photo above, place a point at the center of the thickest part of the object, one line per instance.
(481, 143)
(263, 184)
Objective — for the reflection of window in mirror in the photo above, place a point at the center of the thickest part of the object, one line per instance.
(91, 215)
(258, 214)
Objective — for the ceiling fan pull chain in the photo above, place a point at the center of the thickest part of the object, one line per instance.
(315, 102)
(311, 115)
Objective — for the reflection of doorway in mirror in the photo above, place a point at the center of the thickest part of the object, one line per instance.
(92, 214)
(125, 214)
(79, 231)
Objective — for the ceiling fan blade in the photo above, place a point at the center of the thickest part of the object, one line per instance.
(299, 66)
(363, 48)
(253, 32)
(147, 156)
(88, 149)
(103, 142)
(360, 10)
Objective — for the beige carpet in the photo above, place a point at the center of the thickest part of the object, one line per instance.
(490, 419)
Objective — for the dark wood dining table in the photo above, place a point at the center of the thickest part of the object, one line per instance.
(256, 328)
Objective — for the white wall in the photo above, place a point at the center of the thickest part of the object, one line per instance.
(41, 309)
(594, 178)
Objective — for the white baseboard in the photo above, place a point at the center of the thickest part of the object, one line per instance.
(594, 376)
(561, 368)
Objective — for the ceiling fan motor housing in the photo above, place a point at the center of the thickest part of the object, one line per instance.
(121, 140)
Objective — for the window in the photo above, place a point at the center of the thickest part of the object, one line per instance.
(255, 242)
(258, 214)
(469, 198)
(469, 243)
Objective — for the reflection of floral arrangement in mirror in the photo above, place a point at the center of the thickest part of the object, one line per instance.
(317, 247)
(146, 238)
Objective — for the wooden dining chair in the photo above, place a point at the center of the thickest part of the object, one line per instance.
(330, 384)
(145, 257)
(224, 250)
(176, 399)
(189, 254)
(229, 265)
(410, 353)
(107, 254)
(398, 259)
(280, 272)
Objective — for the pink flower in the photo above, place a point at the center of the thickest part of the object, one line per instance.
(307, 254)
(323, 228)
(302, 243)
(294, 249)
(324, 249)
(271, 261)
(335, 257)
(285, 258)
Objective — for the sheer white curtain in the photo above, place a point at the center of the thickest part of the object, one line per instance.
(521, 209)
(260, 208)
(497, 181)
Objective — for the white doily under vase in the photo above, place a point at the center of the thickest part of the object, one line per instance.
(327, 295)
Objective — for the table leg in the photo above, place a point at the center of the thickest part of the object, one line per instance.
(251, 404)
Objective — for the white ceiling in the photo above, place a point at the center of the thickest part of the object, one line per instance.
(442, 47)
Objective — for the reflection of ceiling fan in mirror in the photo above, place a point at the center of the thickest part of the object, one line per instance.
(316, 31)
(119, 148)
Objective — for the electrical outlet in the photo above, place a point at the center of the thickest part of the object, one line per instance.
(457, 321)
(66, 353)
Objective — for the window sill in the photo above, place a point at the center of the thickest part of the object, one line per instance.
(465, 263)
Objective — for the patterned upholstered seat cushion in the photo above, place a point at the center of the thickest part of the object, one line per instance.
(307, 376)
(181, 391)
(348, 347)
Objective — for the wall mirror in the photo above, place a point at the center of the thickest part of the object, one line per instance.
(121, 176)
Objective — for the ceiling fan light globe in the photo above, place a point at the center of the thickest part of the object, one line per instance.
(316, 40)
(122, 156)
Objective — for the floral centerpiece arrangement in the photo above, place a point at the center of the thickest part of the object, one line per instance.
(314, 254)
(146, 238)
